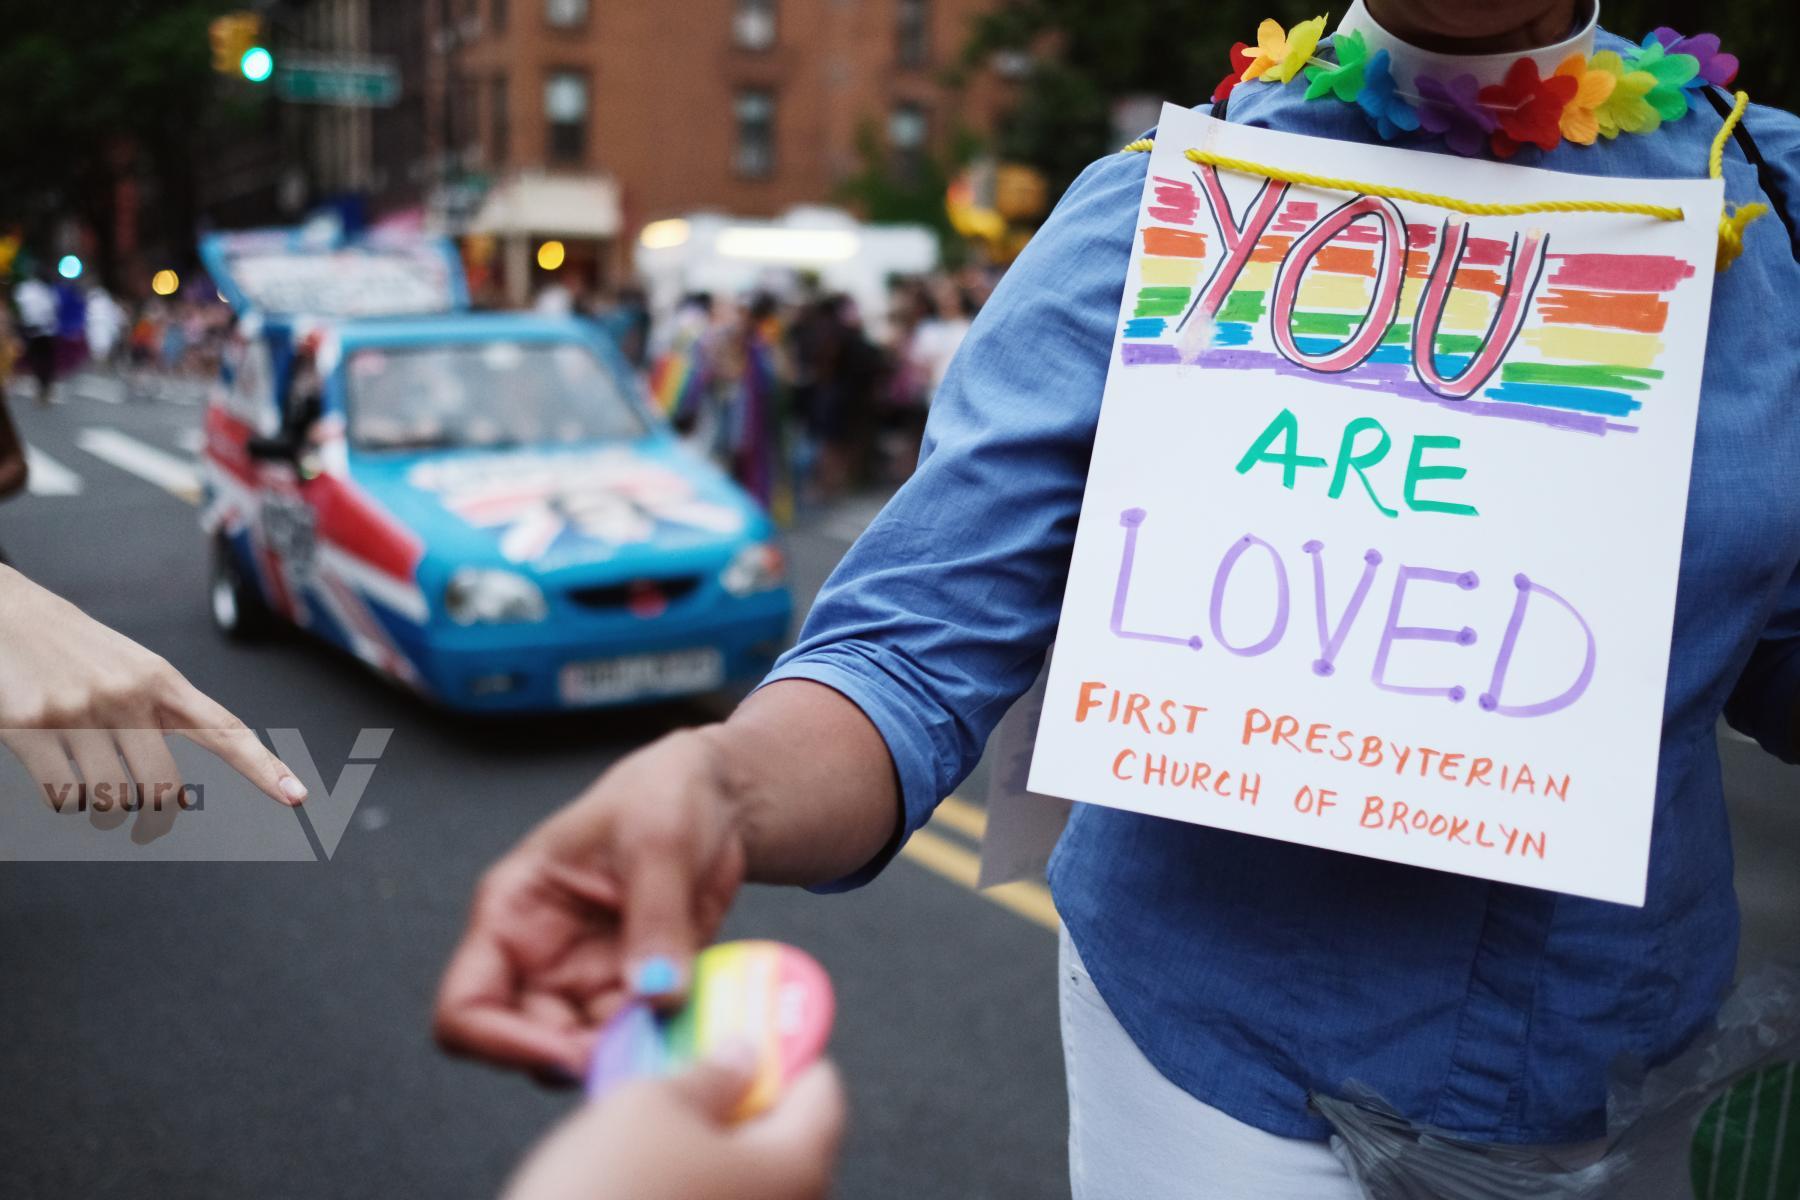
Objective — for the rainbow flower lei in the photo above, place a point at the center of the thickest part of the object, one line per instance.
(1584, 99)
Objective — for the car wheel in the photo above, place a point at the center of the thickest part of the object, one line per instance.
(237, 607)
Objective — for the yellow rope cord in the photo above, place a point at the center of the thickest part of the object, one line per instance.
(1732, 221)
(1661, 212)
(1716, 160)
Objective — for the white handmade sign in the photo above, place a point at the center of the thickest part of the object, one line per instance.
(1382, 528)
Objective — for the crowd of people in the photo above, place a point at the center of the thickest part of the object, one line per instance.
(801, 398)
(56, 327)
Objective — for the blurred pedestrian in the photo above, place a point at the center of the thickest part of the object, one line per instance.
(625, 319)
(907, 394)
(845, 370)
(36, 302)
(680, 376)
(940, 335)
(146, 334)
(753, 438)
(175, 339)
(71, 327)
(105, 325)
(197, 317)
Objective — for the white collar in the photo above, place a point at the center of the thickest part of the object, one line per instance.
(1408, 62)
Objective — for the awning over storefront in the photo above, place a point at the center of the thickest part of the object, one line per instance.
(570, 206)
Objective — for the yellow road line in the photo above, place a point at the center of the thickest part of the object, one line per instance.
(939, 854)
(963, 817)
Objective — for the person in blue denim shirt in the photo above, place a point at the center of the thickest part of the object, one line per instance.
(1211, 980)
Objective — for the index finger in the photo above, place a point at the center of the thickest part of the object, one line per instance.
(659, 931)
(208, 724)
(478, 1015)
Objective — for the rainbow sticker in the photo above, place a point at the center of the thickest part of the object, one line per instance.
(763, 993)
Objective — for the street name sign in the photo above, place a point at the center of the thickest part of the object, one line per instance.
(341, 82)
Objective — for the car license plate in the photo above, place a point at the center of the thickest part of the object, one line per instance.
(641, 675)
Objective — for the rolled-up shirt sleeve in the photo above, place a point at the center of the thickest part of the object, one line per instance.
(939, 616)
(1766, 702)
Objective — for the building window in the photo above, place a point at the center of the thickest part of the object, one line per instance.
(909, 128)
(565, 14)
(753, 24)
(497, 14)
(499, 122)
(755, 134)
(913, 36)
(566, 111)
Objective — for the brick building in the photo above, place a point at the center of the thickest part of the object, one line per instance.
(583, 120)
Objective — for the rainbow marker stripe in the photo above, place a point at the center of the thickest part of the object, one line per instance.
(1584, 361)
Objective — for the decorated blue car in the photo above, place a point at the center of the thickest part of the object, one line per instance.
(478, 505)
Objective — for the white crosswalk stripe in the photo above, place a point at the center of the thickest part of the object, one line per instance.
(174, 475)
(49, 477)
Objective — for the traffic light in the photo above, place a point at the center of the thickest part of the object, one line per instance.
(233, 37)
(257, 64)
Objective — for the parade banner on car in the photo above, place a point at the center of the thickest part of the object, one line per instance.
(1382, 529)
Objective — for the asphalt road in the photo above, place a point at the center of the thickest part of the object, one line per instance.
(231, 1030)
(237, 1030)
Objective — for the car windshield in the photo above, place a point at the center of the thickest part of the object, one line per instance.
(484, 394)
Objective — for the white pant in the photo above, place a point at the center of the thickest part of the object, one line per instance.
(1133, 1135)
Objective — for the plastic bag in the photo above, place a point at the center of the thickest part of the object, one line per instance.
(1720, 1121)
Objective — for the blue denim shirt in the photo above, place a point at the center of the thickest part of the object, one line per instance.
(1251, 971)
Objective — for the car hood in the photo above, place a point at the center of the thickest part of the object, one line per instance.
(600, 509)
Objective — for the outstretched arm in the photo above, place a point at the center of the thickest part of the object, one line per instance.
(934, 623)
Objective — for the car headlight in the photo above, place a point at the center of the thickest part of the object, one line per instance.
(756, 568)
(481, 596)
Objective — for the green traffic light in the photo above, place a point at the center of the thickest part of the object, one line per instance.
(257, 64)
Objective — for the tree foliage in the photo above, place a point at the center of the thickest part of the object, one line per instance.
(1085, 56)
(887, 191)
(87, 86)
